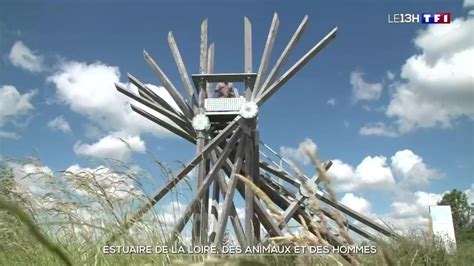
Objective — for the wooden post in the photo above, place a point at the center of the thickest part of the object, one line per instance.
(229, 198)
(297, 66)
(266, 54)
(284, 56)
(249, 194)
(201, 171)
(255, 172)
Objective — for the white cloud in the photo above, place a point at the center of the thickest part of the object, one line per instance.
(21, 56)
(362, 90)
(390, 75)
(331, 102)
(8, 135)
(438, 85)
(407, 171)
(14, 104)
(299, 154)
(411, 169)
(371, 174)
(89, 89)
(111, 147)
(60, 124)
(116, 186)
(356, 203)
(468, 3)
(412, 211)
(170, 213)
(377, 129)
(30, 178)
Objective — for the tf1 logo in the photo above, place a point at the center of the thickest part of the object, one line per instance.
(425, 18)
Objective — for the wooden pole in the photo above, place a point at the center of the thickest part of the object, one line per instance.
(297, 66)
(266, 54)
(182, 70)
(247, 45)
(185, 108)
(229, 198)
(175, 119)
(284, 56)
(249, 194)
(210, 67)
(171, 183)
(164, 124)
(197, 237)
(205, 185)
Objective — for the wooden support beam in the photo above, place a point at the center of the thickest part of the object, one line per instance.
(283, 203)
(233, 215)
(281, 174)
(356, 215)
(164, 124)
(145, 90)
(352, 227)
(284, 56)
(255, 172)
(247, 45)
(229, 198)
(266, 54)
(168, 85)
(199, 229)
(203, 50)
(210, 68)
(205, 184)
(298, 199)
(265, 218)
(171, 183)
(297, 66)
(249, 194)
(192, 96)
(181, 124)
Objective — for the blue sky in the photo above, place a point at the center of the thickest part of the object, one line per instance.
(391, 103)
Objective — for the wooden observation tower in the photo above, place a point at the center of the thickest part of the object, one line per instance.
(225, 131)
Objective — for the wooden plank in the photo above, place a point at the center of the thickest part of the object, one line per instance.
(256, 173)
(185, 108)
(143, 89)
(233, 216)
(286, 191)
(205, 184)
(356, 215)
(265, 218)
(291, 210)
(171, 183)
(182, 69)
(203, 50)
(284, 203)
(214, 210)
(249, 195)
(284, 55)
(247, 45)
(266, 54)
(281, 174)
(182, 125)
(164, 124)
(297, 66)
(221, 77)
(228, 200)
(210, 68)
(199, 236)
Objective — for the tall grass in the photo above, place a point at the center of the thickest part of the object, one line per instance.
(66, 217)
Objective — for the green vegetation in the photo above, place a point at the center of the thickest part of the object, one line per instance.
(74, 213)
(459, 208)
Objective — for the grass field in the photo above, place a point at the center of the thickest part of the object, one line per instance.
(66, 217)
